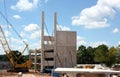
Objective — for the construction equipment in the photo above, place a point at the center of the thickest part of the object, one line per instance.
(10, 55)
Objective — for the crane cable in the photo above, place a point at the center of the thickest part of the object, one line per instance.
(5, 9)
(59, 27)
(48, 34)
(53, 47)
(5, 16)
(12, 27)
(16, 33)
(6, 19)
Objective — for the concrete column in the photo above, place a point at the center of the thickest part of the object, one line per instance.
(29, 55)
(42, 43)
(55, 29)
(35, 60)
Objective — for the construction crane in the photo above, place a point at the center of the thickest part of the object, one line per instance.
(10, 55)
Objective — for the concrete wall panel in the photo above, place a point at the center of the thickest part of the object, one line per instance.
(65, 49)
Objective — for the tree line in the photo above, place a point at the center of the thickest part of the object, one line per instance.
(98, 55)
(88, 55)
(16, 53)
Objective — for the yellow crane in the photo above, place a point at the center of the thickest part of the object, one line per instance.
(16, 66)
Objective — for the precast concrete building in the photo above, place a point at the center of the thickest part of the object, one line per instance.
(35, 57)
(58, 50)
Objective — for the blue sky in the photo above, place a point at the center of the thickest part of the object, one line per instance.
(95, 21)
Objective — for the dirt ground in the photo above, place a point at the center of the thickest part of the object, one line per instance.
(4, 73)
(35, 75)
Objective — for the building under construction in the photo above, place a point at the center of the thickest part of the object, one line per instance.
(58, 50)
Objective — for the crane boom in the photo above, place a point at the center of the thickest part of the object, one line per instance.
(5, 46)
(10, 54)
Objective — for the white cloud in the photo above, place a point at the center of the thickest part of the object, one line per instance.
(7, 33)
(15, 40)
(116, 30)
(20, 48)
(23, 34)
(63, 28)
(31, 27)
(110, 3)
(6, 27)
(1, 49)
(119, 43)
(97, 15)
(16, 16)
(34, 30)
(17, 44)
(46, 1)
(14, 44)
(96, 44)
(24, 5)
(81, 41)
(35, 45)
(35, 35)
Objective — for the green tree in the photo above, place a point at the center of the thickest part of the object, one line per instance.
(105, 56)
(3, 58)
(112, 56)
(80, 53)
(90, 53)
(100, 53)
(85, 55)
(118, 54)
